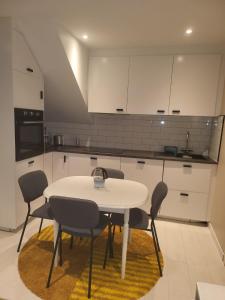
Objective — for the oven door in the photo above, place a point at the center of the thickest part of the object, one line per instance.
(29, 139)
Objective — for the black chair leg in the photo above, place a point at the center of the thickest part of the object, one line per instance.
(60, 250)
(40, 226)
(157, 253)
(107, 246)
(22, 234)
(90, 268)
(157, 241)
(53, 259)
(113, 235)
(71, 242)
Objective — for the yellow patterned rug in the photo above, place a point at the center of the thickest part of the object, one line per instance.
(69, 282)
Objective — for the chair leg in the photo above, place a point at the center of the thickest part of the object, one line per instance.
(40, 226)
(22, 234)
(156, 252)
(157, 240)
(53, 259)
(71, 242)
(107, 246)
(60, 250)
(111, 254)
(113, 235)
(90, 268)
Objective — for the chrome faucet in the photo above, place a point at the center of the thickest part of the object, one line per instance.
(187, 149)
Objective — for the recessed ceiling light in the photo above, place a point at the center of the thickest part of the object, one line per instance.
(85, 36)
(188, 31)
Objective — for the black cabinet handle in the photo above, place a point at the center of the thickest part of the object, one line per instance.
(64, 158)
(184, 194)
(175, 111)
(119, 109)
(41, 95)
(141, 162)
(187, 166)
(29, 70)
(30, 162)
(160, 111)
(93, 158)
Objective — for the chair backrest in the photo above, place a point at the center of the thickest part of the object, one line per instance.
(74, 212)
(32, 185)
(158, 195)
(112, 173)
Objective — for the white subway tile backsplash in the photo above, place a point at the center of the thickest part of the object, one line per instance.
(139, 132)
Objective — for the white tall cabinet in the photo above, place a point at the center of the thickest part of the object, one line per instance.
(19, 88)
(149, 84)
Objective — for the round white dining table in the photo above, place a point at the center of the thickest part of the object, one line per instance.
(117, 195)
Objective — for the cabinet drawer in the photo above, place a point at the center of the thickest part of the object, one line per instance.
(185, 205)
(187, 176)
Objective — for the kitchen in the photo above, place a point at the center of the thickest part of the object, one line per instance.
(154, 113)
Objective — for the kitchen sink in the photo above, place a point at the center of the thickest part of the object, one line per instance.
(191, 156)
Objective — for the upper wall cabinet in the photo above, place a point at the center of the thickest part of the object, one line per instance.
(195, 85)
(23, 59)
(108, 83)
(149, 84)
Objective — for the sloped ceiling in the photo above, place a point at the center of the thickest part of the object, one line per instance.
(65, 99)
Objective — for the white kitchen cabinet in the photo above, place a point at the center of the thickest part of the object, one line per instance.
(146, 171)
(48, 166)
(185, 205)
(189, 187)
(108, 84)
(28, 91)
(187, 176)
(23, 167)
(22, 58)
(59, 165)
(83, 164)
(149, 84)
(194, 85)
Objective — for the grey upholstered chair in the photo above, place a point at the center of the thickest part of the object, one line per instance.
(139, 219)
(81, 218)
(111, 173)
(32, 186)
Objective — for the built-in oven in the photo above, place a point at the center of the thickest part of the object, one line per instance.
(29, 133)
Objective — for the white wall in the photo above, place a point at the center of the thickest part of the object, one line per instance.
(7, 149)
(77, 55)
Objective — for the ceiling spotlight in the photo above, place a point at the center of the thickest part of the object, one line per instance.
(188, 31)
(85, 36)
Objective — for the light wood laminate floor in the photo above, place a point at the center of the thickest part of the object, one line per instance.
(189, 253)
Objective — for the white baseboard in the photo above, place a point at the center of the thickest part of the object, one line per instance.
(218, 246)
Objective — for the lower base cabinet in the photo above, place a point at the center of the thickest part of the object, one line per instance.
(146, 171)
(185, 205)
(23, 167)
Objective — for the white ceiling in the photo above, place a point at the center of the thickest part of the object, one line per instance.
(130, 23)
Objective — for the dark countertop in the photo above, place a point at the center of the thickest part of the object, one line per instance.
(128, 153)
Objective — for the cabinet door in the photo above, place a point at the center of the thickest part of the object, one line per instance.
(23, 167)
(148, 172)
(23, 59)
(187, 176)
(108, 83)
(83, 164)
(48, 166)
(194, 85)
(28, 91)
(59, 165)
(149, 84)
(185, 205)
